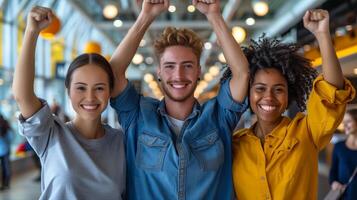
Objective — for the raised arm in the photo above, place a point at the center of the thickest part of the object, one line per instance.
(317, 22)
(22, 86)
(126, 50)
(236, 60)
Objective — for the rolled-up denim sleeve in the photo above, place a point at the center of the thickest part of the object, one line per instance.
(126, 104)
(37, 129)
(229, 109)
(226, 100)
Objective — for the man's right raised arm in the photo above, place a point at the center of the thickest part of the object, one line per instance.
(127, 48)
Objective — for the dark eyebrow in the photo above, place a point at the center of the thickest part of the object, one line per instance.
(97, 84)
(169, 63)
(100, 84)
(280, 84)
(80, 83)
(184, 62)
(188, 62)
(259, 84)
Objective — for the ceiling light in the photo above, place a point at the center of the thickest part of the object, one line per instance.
(118, 23)
(138, 58)
(208, 77)
(172, 8)
(191, 8)
(153, 85)
(158, 93)
(349, 27)
(250, 21)
(221, 58)
(142, 43)
(110, 11)
(149, 60)
(208, 45)
(239, 34)
(214, 70)
(196, 94)
(260, 7)
(148, 77)
(203, 84)
(199, 90)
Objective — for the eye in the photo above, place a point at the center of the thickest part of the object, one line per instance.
(100, 88)
(81, 88)
(188, 65)
(259, 89)
(279, 90)
(169, 66)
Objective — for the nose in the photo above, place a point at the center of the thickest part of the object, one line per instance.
(269, 94)
(90, 95)
(179, 72)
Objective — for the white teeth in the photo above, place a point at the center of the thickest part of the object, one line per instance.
(90, 107)
(268, 108)
(178, 86)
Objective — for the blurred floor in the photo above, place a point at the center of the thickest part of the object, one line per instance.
(23, 187)
(323, 180)
(323, 186)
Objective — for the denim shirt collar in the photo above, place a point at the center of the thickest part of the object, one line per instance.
(195, 111)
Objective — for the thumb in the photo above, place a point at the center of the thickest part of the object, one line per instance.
(306, 18)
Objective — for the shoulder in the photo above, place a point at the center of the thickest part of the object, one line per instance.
(149, 101)
(114, 135)
(113, 131)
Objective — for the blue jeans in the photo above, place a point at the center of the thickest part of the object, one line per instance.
(6, 170)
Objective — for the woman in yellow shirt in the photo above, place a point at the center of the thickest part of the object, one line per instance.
(277, 157)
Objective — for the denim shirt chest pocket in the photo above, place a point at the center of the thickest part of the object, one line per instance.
(151, 150)
(208, 150)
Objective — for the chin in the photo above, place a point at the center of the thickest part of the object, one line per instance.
(271, 119)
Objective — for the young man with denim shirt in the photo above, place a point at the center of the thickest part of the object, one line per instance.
(177, 148)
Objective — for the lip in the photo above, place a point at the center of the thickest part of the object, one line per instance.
(268, 107)
(179, 84)
(89, 107)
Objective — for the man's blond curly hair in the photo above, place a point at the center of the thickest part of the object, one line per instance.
(178, 36)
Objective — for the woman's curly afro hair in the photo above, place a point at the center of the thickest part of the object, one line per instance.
(272, 53)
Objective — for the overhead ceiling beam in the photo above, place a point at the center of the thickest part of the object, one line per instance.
(18, 9)
(87, 17)
(159, 25)
(290, 14)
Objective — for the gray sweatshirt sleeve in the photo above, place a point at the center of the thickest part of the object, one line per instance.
(38, 129)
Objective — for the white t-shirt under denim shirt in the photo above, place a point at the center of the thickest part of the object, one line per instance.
(74, 167)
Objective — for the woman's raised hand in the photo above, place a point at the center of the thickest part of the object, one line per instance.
(38, 19)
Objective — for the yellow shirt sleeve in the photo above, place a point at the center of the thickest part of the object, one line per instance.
(325, 109)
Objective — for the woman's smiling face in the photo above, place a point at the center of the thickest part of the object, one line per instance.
(268, 95)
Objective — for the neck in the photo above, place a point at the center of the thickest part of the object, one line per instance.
(262, 128)
(179, 109)
(90, 129)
